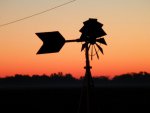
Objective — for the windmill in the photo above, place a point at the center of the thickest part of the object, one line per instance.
(91, 38)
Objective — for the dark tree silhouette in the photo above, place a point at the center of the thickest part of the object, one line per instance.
(67, 80)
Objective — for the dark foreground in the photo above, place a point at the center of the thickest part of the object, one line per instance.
(66, 100)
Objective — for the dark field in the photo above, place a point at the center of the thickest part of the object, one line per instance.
(66, 100)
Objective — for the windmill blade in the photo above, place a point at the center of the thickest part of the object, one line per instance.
(96, 52)
(83, 46)
(100, 48)
(92, 52)
(102, 41)
(89, 46)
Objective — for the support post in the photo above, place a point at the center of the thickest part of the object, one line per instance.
(86, 102)
(88, 81)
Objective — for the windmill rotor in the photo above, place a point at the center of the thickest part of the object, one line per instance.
(92, 34)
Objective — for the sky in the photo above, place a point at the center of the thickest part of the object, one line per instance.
(126, 22)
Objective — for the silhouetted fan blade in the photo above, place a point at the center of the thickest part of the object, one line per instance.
(96, 52)
(102, 40)
(89, 46)
(92, 52)
(83, 46)
(100, 48)
(102, 33)
(52, 42)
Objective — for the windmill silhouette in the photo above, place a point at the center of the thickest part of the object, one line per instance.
(91, 39)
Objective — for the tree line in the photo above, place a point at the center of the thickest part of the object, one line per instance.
(67, 80)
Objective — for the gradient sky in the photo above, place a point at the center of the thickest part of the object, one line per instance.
(126, 22)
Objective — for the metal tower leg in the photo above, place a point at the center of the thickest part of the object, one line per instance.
(87, 97)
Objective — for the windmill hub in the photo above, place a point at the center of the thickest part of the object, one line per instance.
(90, 40)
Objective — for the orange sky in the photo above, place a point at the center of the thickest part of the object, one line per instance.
(126, 22)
